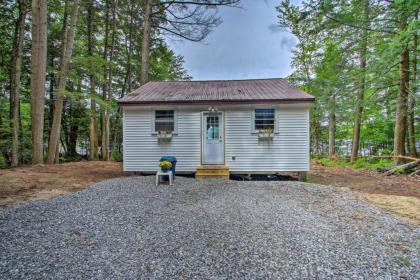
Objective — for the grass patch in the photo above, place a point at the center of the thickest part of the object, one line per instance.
(404, 260)
(324, 161)
(364, 163)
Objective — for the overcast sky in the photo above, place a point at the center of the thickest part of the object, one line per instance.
(247, 45)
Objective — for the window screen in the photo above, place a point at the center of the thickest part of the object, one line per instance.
(164, 120)
(264, 119)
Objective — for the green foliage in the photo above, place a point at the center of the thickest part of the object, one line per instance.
(70, 158)
(124, 68)
(165, 65)
(381, 164)
(327, 162)
(117, 156)
(371, 163)
(3, 163)
(326, 60)
(324, 161)
(360, 163)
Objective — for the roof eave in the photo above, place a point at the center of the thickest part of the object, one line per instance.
(204, 102)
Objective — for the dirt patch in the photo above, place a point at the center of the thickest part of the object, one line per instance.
(365, 181)
(399, 195)
(46, 181)
(403, 206)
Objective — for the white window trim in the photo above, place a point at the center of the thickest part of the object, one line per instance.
(153, 119)
(276, 123)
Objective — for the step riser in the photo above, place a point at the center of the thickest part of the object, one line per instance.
(212, 172)
(226, 177)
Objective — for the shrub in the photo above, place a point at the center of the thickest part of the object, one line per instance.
(117, 156)
(3, 163)
(373, 163)
(69, 158)
(327, 162)
(360, 163)
(384, 163)
(333, 162)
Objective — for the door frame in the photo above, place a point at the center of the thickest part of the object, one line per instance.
(222, 114)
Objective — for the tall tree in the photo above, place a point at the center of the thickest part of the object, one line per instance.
(145, 44)
(93, 130)
(68, 34)
(331, 127)
(402, 97)
(115, 75)
(15, 74)
(372, 36)
(108, 87)
(362, 85)
(411, 135)
(104, 111)
(38, 70)
(130, 49)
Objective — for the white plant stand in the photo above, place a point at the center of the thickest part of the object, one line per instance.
(161, 173)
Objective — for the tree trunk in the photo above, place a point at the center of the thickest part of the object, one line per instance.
(38, 70)
(64, 65)
(401, 114)
(55, 93)
(130, 51)
(15, 74)
(411, 138)
(93, 129)
(108, 92)
(403, 168)
(145, 44)
(51, 92)
(331, 127)
(2, 149)
(104, 151)
(109, 87)
(361, 92)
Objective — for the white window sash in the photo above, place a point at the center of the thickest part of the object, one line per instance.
(253, 130)
(153, 121)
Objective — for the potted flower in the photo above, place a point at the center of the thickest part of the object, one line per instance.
(265, 133)
(165, 165)
(164, 134)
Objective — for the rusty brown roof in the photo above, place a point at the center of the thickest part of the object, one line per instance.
(236, 91)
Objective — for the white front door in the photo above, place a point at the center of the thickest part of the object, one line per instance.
(212, 131)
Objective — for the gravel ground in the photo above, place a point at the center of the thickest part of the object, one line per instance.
(128, 228)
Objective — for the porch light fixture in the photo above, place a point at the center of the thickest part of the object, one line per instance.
(213, 109)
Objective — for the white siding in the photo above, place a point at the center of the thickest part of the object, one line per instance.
(288, 151)
(142, 150)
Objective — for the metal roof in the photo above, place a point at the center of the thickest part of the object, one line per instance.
(232, 91)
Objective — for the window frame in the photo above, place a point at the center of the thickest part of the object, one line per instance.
(153, 120)
(254, 130)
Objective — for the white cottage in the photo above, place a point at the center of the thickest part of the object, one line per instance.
(214, 128)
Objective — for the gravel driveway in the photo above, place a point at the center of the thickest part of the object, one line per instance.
(128, 228)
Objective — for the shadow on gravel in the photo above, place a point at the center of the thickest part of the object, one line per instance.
(249, 177)
(262, 177)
